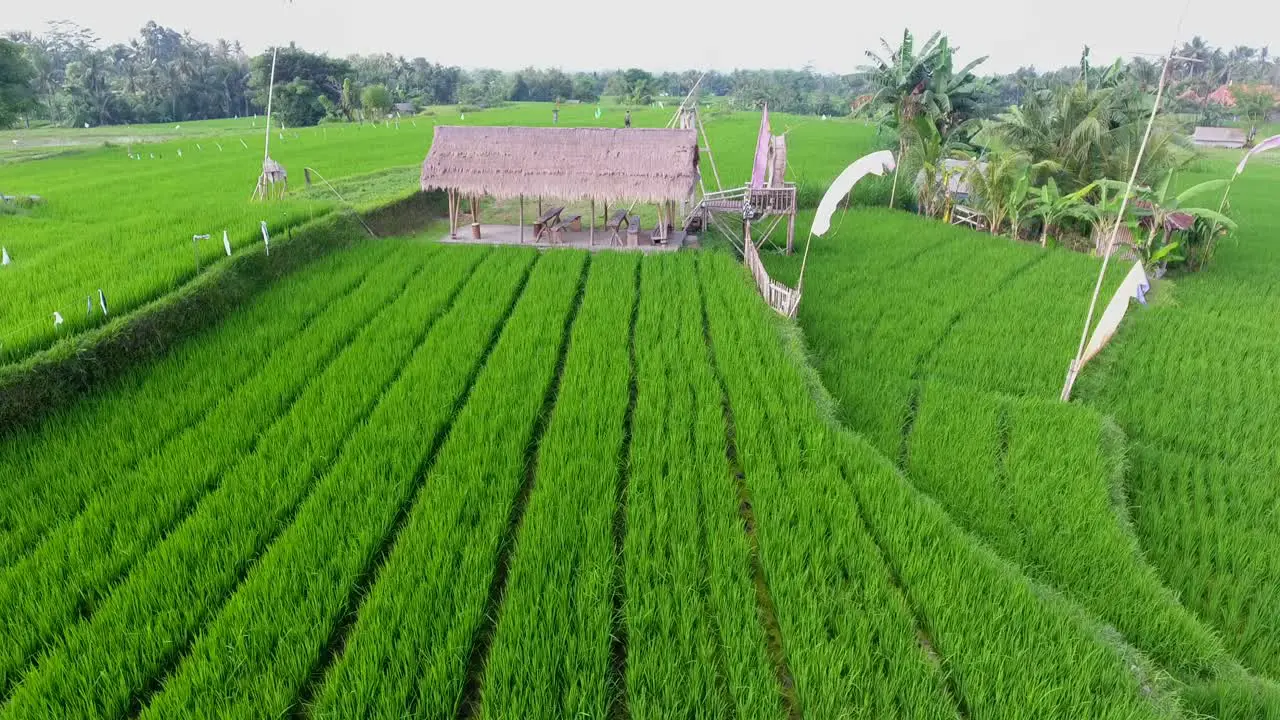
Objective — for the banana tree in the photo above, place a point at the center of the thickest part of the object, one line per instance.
(1019, 202)
(1165, 213)
(1053, 207)
(930, 154)
(1106, 208)
(914, 82)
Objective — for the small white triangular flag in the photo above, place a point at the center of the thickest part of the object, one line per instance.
(179, 152)
(102, 300)
(88, 305)
(4, 256)
(226, 243)
(57, 318)
(266, 239)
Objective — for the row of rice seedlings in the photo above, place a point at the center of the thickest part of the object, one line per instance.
(551, 648)
(848, 634)
(694, 635)
(876, 312)
(1003, 636)
(1203, 482)
(137, 245)
(1213, 529)
(1042, 482)
(999, 636)
(1218, 385)
(213, 516)
(410, 647)
(1021, 339)
(41, 591)
(255, 656)
(1237, 698)
(54, 468)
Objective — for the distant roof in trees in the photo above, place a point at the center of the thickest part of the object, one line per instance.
(648, 165)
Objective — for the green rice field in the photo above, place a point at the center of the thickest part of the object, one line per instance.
(414, 479)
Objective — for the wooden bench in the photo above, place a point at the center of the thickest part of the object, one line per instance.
(615, 225)
(633, 231)
(544, 224)
(566, 222)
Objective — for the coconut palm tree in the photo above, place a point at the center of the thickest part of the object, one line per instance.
(1090, 131)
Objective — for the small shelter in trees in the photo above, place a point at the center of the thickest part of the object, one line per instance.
(600, 165)
(1219, 137)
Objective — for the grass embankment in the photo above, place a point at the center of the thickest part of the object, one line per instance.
(912, 322)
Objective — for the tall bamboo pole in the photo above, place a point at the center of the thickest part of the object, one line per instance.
(271, 88)
(1074, 370)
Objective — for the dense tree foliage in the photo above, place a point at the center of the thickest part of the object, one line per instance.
(308, 86)
(17, 95)
(167, 76)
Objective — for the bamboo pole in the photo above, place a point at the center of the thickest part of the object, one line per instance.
(1073, 371)
(710, 157)
(271, 88)
(591, 239)
(522, 219)
(791, 233)
(475, 218)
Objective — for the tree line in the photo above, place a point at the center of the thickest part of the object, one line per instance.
(67, 76)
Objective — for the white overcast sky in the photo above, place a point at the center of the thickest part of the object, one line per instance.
(831, 35)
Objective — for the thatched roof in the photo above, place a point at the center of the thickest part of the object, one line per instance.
(606, 164)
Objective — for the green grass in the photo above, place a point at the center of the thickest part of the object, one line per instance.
(435, 583)
(946, 348)
(440, 481)
(551, 645)
(125, 225)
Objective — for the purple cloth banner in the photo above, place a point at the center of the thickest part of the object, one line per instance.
(762, 151)
(1270, 143)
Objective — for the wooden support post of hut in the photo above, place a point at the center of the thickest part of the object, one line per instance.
(570, 165)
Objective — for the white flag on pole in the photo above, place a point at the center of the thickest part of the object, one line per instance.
(88, 305)
(102, 301)
(1134, 286)
(266, 239)
(57, 318)
(226, 244)
(4, 256)
(874, 164)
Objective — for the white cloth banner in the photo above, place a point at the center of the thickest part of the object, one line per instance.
(57, 318)
(1135, 286)
(102, 301)
(4, 256)
(877, 163)
(226, 243)
(266, 239)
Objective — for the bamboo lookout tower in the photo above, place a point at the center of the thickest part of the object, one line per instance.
(767, 195)
(552, 166)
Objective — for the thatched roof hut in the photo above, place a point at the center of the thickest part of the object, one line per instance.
(647, 165)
